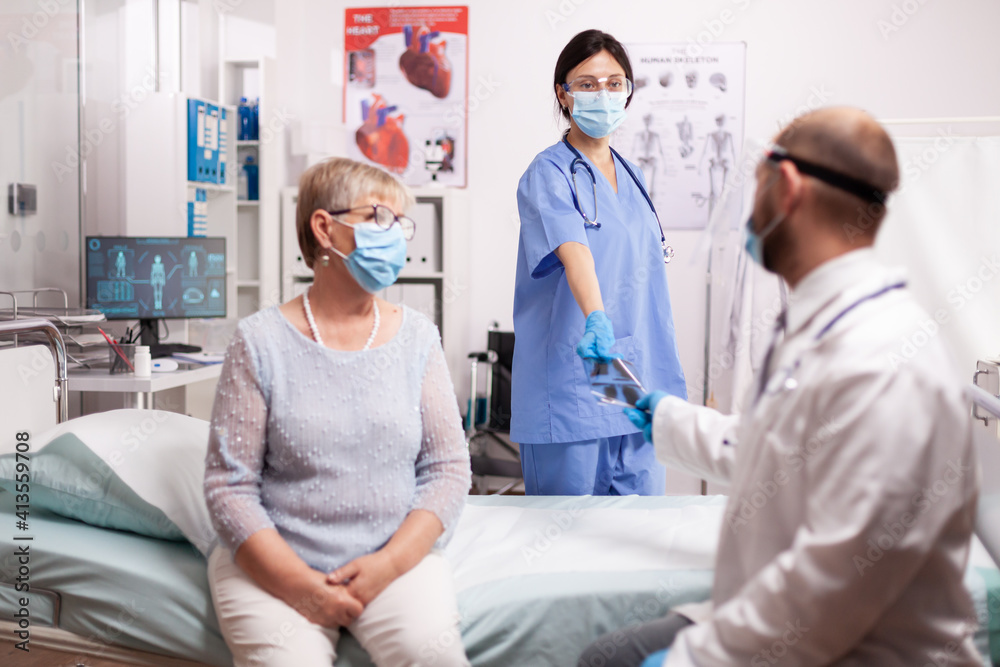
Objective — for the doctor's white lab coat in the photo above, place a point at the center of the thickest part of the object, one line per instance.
(853, 486)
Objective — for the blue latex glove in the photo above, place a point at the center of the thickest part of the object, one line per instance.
(656, 659)
(597, 338)
(642, 414)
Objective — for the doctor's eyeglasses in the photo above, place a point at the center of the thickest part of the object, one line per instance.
(384, 217)
(591, 84)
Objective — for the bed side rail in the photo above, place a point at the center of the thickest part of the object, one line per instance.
(58, 348)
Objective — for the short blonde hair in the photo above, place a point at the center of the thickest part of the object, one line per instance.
(334, 185)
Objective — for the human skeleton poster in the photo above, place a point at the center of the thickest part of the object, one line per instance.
(685, 126)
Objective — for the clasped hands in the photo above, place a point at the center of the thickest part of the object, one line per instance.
(338, 598)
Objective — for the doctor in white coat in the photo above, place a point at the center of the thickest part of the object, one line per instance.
(852, 475)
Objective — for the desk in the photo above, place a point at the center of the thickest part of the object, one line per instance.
(143, 388)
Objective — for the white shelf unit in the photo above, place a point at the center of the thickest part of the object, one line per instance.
(295, 275)
(156, 188)
(257, 232)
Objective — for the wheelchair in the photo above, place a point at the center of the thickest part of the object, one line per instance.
(488, 417)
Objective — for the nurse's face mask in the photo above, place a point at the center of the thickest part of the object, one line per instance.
(599, 103)
(380, 245)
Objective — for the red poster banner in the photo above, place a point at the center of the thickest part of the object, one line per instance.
(406, 90)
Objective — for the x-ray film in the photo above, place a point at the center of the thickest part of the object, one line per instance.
(614, 382)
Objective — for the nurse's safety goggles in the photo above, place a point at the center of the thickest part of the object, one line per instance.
(854, 186)
(591, 84)
(384, 217)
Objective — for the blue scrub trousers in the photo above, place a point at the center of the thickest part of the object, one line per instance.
(617, 466)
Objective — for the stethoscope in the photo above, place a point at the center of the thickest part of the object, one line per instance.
(668, 252)
(785, 380)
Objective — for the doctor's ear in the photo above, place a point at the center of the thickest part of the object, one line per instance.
(790, 185)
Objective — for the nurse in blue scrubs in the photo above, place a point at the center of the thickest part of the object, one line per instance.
(591, 282)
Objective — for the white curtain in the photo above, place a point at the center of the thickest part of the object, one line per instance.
(943, 226)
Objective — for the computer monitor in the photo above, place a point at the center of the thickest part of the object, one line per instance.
(152, 278)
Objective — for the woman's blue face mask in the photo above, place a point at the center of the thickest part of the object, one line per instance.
(378, 257)
(599, 113)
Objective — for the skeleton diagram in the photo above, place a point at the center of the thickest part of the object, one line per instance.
(120, 265)
(193, 265)
(686, 134)
(157, 279)
(646, 147)
(721, 144)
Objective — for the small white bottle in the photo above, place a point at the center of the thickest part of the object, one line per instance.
(143, 361)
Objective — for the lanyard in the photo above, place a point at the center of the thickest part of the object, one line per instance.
(780, 324)
(668, 252)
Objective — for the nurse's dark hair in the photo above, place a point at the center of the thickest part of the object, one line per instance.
(584, 45)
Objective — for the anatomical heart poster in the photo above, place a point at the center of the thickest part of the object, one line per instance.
(685, 128)
(405, 91)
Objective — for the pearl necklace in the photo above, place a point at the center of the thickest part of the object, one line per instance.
(315, 330)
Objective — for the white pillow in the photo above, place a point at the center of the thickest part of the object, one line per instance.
(159, 455)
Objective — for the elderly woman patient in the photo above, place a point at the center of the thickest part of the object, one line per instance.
(336, 458)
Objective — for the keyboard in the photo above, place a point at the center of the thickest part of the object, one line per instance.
(167, 349)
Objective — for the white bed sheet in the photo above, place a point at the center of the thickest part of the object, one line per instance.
(492, 543)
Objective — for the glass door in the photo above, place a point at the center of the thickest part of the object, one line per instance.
(40, 148)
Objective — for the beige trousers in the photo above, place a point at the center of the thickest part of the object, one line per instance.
(413, 622)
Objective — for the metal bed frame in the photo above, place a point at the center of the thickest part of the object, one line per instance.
(57, 346)
(988, 450)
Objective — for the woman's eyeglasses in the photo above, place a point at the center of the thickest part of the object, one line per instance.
(384, 217)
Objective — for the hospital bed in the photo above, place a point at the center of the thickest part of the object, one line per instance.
(535, 577)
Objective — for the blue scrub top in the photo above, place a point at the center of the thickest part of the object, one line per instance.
(550, 394)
